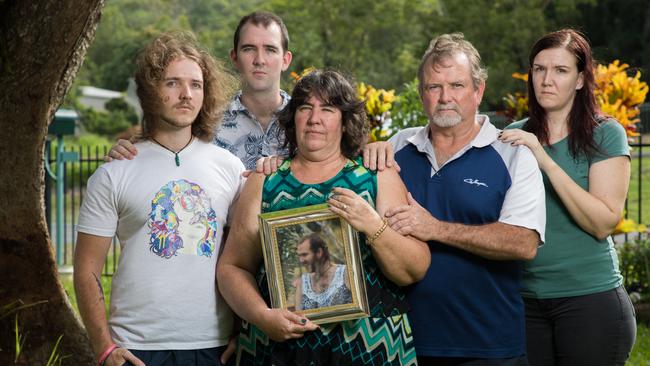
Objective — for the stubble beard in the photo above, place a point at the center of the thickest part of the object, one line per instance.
(176, 123)
(316, 265)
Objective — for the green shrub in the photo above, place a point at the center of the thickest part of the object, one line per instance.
(634, 263)
(118, 117)
(407, 109)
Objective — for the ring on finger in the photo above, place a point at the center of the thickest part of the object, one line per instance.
(345, 207)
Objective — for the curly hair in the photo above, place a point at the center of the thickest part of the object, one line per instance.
(218, 84)
(334, 89)
(446, 45)
(584, 114)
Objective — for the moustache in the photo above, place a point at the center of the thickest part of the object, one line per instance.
(447, 108)
(184, 105)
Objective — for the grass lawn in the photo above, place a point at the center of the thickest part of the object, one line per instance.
(641, 351)
(66, 280)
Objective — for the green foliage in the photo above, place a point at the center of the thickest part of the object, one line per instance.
(118, 117)
(634, 263)
(55, 357)
(13, 308)
(379, 42)
(407, 110)
(68, 286)
(88, 140)
(102, 123)
(20, 340)
(127, 25)
(641, 351)
(120, 105)
(366, 38)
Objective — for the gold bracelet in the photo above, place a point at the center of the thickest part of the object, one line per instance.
(377, 234)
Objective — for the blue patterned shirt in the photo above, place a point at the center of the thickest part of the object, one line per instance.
(242, 134)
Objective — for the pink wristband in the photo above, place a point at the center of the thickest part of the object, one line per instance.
(106, 353)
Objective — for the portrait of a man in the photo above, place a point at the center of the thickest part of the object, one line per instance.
(324, 283)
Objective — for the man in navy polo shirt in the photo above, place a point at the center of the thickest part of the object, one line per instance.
(479, 203)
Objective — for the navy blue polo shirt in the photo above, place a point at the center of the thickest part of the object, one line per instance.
(467, 305)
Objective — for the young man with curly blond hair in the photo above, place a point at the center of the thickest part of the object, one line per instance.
(168, 209)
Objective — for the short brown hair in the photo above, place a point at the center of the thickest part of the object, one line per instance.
(264, 18)
(218, 85)
(447, 45)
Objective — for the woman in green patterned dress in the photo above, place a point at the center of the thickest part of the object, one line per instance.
(324, 127)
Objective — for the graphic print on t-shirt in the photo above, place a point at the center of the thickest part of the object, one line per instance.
(182, 221)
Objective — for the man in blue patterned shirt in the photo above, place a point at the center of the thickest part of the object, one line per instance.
(249, 128)
(260, 54)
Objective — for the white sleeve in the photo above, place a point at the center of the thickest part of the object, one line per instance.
(400, 139)
(238, 186)
(525, 202)
(98, 213)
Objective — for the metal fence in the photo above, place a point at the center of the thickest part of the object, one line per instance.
(76, 175)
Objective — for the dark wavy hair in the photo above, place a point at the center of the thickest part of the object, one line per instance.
(264, 18)
(584, 114)
(218, 84)
(334, 89)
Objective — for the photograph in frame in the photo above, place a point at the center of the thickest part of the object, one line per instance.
(313, 264)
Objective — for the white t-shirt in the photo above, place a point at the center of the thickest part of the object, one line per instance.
(169, 220)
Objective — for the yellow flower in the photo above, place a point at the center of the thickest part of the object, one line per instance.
(520, 76)
(378, 103)
(304, 72)
(619, 94)
(362, 89)
(629, 226)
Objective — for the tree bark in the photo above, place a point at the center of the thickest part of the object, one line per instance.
(42, 45)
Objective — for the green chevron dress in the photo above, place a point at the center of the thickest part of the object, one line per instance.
(384, 338)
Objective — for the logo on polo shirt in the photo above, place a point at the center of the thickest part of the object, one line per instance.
(474, 181)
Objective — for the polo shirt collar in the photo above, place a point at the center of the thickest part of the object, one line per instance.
(486, 136)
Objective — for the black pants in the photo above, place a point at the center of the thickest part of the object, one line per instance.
(195, 357)
(451, 361)
(589, 330)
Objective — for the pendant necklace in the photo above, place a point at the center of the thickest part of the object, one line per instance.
(176, 158)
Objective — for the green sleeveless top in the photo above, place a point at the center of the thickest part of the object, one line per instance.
(283, 191)
(384, 338)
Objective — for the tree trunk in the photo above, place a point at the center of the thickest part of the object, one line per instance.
(42, 45)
